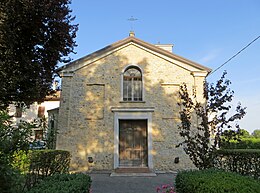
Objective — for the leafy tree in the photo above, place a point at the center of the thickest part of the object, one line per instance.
(203, 136)
(229, 135)
(34, 36)
(243, 133)
(256, 133)
(238, 134)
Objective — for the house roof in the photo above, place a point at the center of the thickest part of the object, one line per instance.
(131, 39)
(53, 95)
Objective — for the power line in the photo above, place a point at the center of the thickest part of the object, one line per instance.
(235, 55)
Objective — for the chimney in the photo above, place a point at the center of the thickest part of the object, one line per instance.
(167, 47)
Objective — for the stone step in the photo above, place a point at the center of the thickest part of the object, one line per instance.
(133, 170)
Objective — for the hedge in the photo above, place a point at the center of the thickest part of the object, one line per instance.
(243, 161)
(63, 183)
(30, 167)
(244, 143)
(49, 162)
(46, 161)
(215, 181)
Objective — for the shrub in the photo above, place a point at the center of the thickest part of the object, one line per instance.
(65, 183)
(21, 161)
(45, 163)
(243, 161)
(11, 181)
(244, 143)
(12, 139)
(215, 181)
(49, 162)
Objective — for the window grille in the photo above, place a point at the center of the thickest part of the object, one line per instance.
(132, 85)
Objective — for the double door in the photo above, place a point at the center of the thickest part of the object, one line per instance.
(133, 143)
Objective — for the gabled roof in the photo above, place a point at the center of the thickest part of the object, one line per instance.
(131, 39)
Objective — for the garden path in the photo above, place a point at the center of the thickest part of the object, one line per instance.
(103, 183)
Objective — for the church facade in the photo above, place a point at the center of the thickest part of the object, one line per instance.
(119, 107)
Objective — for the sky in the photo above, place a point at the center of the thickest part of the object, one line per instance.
(208, 32)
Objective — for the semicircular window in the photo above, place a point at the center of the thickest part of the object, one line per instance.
(132, 84)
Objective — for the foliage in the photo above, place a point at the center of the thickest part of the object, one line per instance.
(13, 138)
(11, 180)
(34, 37)
(243, 161)
(165, 188)
(51, 138)
(231, 135)
(45, 163)
(244, 133)
(244, 143)
(52, 134)
(256, 133)
(42, 124)
(38, 164)
(214, 181)
(21, 161)
(65, 183)
(202, 137)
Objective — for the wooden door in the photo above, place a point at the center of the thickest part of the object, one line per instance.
(133, 143)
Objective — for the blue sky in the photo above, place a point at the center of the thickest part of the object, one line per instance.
(205, 31)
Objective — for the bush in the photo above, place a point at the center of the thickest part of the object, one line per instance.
(45, 163)
(215, 181)
(243, 161)
(11, 181)
(49, 162)
(13, 138)
(21, 161)
(65, 183)
(244, 143)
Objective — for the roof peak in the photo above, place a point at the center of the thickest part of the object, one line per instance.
(129, 40)
(132, 33)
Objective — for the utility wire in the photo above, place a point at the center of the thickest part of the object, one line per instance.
(235, 55)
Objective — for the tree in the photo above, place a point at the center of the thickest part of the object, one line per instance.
(256, 133)
(236, 135)
(229, 136)
(203, 137)
(34, 36)
(243, 133)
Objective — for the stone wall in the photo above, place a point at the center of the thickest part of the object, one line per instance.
(86, 122)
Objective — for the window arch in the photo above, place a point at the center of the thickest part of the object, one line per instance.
(132, 84)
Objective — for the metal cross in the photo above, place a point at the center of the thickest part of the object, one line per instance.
(132, 20)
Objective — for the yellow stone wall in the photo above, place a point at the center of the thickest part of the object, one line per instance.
(86, 122)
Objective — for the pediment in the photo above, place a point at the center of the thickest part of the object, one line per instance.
(193, 67)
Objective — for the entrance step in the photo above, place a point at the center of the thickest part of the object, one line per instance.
(133, 172)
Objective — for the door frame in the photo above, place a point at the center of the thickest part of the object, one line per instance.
(133, 114)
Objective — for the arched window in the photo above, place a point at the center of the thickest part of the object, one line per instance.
(132, 84)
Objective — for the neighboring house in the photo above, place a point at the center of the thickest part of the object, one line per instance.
(119, 107)
(36, 111)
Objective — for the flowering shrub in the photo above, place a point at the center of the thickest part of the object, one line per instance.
(165, 188)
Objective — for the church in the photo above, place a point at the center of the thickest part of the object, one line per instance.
(119, 107)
